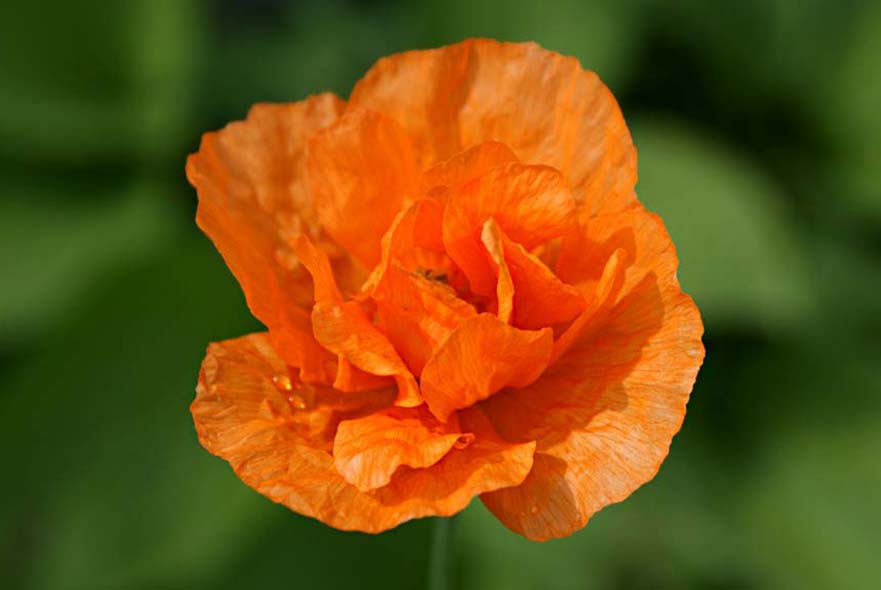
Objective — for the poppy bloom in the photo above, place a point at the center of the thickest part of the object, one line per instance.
(463, 296)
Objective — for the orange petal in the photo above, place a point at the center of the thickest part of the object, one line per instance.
(344, 329)
(481, 357)
(316, 262)
(602, 298)
(417, 314)
(298, 346)
(367, 451)
(283, 449)
(544, 106)
(532, 204)
(491, 239)
(424, 92)
(251, 199)
(360, 170)
(638, 233)
(539, 298)
(467, 165)
(413, 239)
(351, 378)
(605, 413)
(246, 395)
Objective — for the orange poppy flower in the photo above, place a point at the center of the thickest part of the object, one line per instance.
(463, 297)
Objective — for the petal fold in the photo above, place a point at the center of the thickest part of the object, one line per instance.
(413, 240)
(351, 378)
(602, 298)
(343, 328)
(536, 296)
(417, 314)
(367, 451)
(467, 165)
(481, 357)
(532, 204)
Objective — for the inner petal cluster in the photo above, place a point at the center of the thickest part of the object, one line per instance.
(462, 302)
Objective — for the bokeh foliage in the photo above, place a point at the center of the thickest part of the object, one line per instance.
(757, 125)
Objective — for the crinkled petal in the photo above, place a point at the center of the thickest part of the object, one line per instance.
(532, 204)
(367, 451)
(316, 262)
(538, 298)
(298, 346)
(605, 413)
(542, 105)
(414, 240)
(252, 198)
(638, 233)
(247, 399)
(361, 169)
(417, 314)
(602, 297)
(504, 283)
(467, 165)
(481, 357)
(283, 449)
(351, 378)
(343, 328)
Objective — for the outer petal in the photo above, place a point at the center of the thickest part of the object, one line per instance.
(481, 357)
(252, 198)
(542, 105)
(605, 413)
(532, 204)
(360, 170)
(367, 451)
(538, 298)
(283, 449)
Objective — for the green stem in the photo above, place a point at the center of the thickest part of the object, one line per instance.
(440, 561)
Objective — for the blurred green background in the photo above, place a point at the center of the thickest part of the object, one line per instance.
(758, 128)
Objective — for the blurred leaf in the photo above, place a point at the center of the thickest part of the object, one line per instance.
(95, 79)
(851, 109)
(111, 481)
(167, 40)
(758, 50)
(813, 514)
(739, 256)
(51, 251)
(848, 284)
(310, 48)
